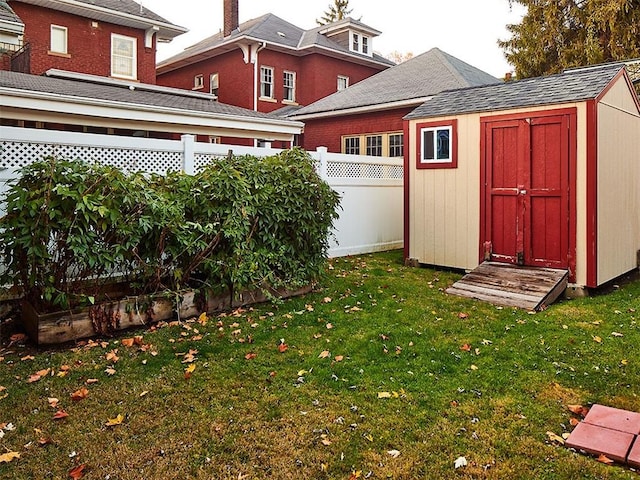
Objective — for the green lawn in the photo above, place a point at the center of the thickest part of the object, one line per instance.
(380, 375)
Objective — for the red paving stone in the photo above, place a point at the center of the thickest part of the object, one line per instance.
(598, 440)
(614, 418)
(634, 455)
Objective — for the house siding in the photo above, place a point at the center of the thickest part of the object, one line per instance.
(328, 132)
(618, 188)
(89, 49)
(316, 77)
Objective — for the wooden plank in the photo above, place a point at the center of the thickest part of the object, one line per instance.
(531, 288)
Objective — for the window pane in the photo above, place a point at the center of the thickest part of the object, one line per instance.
(213, 84)
(343, 82)
(352, 145)
(58, 39)
(374, 145)
(396, 145)
(123, 56)
(427, 145)
(289, 86)
(266, 82)
(356, 42)
(365, 45)
(443, 144)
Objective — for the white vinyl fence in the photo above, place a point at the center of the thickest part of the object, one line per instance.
(371, 217)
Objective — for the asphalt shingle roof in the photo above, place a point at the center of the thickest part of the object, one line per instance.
(7, 14)
(271, 29)
(570, 86)
(130, 7)
(154, 97)
(417, 78)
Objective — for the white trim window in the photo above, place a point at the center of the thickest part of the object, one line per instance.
(436, 145)
(374, 145)
(198, 81)
(289, 81)
(59, 39)
(360, 44)
(343, 82)
(396, 145)
(214, 84)
(266, 82)
(123, 56)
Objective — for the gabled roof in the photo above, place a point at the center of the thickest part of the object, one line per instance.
(270, 29)
(569, 86)
(409, 83)
(70, 93)
(119, 12)
(9, 21)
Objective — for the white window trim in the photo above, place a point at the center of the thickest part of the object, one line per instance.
(134, 59)
(292, 87)
(198, 82)
(64, 30)
(449, 128)
(359, 48)
(346, 82)
(271, 83)
(213, 76)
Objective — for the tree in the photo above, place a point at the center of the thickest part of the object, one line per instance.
(558, 34)
(337, 11)
(399, 57)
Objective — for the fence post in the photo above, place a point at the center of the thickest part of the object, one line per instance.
(322, 158)
(188, 158)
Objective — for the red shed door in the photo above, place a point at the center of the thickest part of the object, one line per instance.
(527, 191)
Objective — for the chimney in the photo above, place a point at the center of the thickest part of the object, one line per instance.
(230, 16)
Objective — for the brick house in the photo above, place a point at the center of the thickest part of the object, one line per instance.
(367, 118)
(107, 38)
(267, 63)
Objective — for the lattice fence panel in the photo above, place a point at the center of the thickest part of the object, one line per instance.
(19, 154)
(372, 171)
(201, 160)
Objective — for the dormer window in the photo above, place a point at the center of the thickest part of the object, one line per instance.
(360, 44)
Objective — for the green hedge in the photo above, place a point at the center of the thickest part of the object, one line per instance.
(242, 222)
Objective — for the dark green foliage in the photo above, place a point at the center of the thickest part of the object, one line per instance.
(337, 11)
(241, 223)
(558, 34)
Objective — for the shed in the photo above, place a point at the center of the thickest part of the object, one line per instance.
(541, 172)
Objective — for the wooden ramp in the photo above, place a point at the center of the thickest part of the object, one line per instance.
(532, 288)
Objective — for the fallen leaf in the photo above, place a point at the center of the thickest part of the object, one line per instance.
(555, 438)
(283, 347)
(460, 462)
(326, 442)
(596, 338)
(329, 326)
(112, 422)
(574, 421)
(127, 342)
(326, 300)
(145, 392)
(338, 358)
(189, 370)
(18, 337)
(462, 316)
(27, 357)
(60, 414)
(33, 378)
(8, 457)
(578, 410)
(110, 371)
(250, 356)
(43, 441)
(616, 334)
(53, 402)
(80, 394)
(384, 395)
(112, 356)
(473, 367)
(466, 347)
(624, 361)
(394, 453)
(324, 354)
(91, 381)
(202, 319)
(77, 472)
(604, 459)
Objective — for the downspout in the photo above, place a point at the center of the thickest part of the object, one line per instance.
(254, 60)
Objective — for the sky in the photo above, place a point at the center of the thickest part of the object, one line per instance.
(466, 29)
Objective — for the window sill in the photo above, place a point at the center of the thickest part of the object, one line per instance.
(432, 165)
(59, 54)
(268, 99)
(122, 77)
(290, 102)
(198, 88)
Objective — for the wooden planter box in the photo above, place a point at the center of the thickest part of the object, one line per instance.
(109, 317)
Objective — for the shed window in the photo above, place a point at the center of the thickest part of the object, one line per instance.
(396, 145)
(374, 145)
(352, 145)
(437, 145)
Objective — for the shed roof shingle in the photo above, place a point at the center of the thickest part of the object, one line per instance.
(417, 78)
(570, 86)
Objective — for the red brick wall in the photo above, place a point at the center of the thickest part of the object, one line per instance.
(89, 49)
(316, 77)
(328, 132)
(235, 78)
